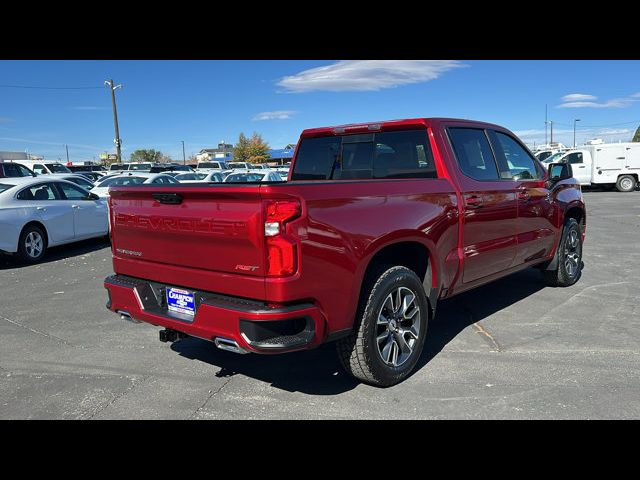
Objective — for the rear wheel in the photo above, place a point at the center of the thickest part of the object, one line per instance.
(390, 329)
(32, 244)
(569, 257)
(626, 183)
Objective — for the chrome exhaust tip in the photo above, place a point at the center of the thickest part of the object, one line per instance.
(229, 345)
(124, 315)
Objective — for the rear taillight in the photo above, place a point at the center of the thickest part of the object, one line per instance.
(281, 249)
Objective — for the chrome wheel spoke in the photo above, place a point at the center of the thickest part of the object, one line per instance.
(382, 320)
(383, 336)
(387, 349)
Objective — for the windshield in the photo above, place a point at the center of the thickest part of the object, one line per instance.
(553, 158)
(112, 182)
(114, 167)
(140, 166)
(57, 168)
(237, 165)
(4, 187)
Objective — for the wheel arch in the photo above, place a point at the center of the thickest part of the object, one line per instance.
(39, 225)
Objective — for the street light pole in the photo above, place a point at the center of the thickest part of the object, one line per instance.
(574, 131)
(67, 148)
(184, 158)
(551, 123)
(113, 88)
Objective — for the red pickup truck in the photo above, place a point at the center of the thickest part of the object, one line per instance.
(376, 223)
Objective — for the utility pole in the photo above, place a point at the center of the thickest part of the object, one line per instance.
(574, 131)
(184, 158)
(113, 88)
(67, 148)
(545, 124)
(551, 123)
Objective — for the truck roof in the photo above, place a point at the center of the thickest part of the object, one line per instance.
(386, 125)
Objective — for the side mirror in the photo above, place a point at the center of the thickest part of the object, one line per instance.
(93, 196)
(559, 171)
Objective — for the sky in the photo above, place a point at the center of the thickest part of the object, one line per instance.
(162, 103)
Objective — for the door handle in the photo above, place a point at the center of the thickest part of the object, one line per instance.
(582, 166)
(473, 201)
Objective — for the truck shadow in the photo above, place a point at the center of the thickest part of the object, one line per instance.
(318, 371)
(58, 253)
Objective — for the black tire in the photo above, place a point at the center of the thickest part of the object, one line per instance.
(361, 354)
(626, 183)
(568, 267)
(26, 249)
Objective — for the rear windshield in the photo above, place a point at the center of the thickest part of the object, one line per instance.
(57, 168)
(237, 165)
(209, 165)
(114, 167)
(402, 154)
(113, 182)
(140, 166)
(4, 187)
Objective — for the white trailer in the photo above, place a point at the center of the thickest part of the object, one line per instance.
(607, 164)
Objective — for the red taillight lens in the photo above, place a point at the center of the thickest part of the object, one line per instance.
(281, 250)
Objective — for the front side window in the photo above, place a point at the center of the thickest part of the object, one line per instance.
(71, 192)
(518, 161)
(575, 157)
(24, 171)
(473, 153)
(40, 192)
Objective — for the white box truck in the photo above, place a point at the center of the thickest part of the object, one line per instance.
(607, 164)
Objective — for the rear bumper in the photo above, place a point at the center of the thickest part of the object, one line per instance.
(255, 326)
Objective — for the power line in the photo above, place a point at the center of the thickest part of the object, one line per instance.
(635, 122)
(48, 88)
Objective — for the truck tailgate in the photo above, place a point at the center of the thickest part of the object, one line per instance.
(204, 229)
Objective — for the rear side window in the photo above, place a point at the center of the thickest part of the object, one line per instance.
(401, 154)
(4, 187)
(473, 153)
(42, 191)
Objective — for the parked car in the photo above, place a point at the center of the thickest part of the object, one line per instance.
(42, 212)
(130, 166)
(357, 251)
(130, 178)
(253, 176)
(211, 165)
(11, 169)
(43, 167)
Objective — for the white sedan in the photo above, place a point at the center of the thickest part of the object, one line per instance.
(41, 212)
(129, 178)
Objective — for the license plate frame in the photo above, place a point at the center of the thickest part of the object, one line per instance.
(181, 302)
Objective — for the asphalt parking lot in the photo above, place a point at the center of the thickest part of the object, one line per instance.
(512, 349)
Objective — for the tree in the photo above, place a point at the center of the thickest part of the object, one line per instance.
(636, 137)
(146, 156)
(258, 149)
(240, 151)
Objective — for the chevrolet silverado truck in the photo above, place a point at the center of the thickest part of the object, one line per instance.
(376, 223)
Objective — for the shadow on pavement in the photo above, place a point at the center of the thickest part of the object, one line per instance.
(58, 253)
(318, 372)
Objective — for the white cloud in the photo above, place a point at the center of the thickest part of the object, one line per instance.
(275, 115)
(578, 97)
(582, 100)
(366, 75)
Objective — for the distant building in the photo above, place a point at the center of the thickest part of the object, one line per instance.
(282, 155)
(223, 152)
(18, 156)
